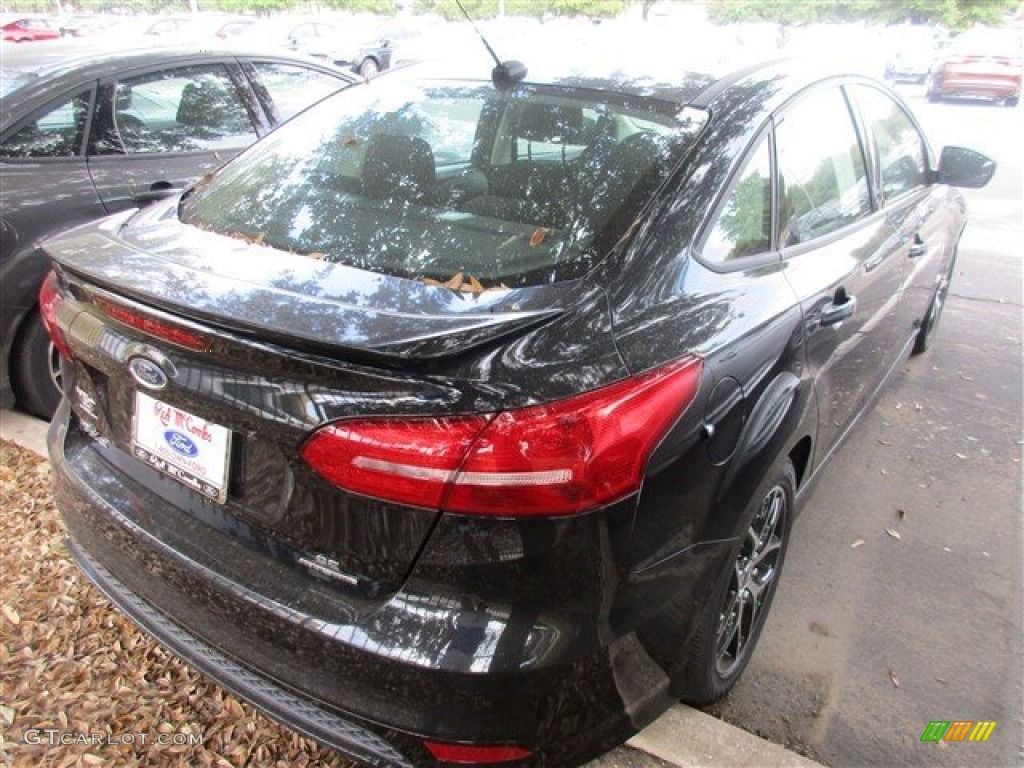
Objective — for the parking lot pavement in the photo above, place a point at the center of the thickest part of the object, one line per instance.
(682, 737)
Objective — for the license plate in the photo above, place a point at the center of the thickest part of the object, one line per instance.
(183, 446)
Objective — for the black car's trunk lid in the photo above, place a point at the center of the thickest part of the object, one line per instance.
(285, 344)
(275, 295)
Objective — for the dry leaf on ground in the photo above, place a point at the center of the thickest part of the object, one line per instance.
(69, 660)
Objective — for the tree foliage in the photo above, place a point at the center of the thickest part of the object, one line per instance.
(955, 14)
(478, 9)
(487, 9)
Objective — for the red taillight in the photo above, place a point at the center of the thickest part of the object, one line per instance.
(175, 334)
(409, 461)
(471, 754)
(554, 459)
(50, 299)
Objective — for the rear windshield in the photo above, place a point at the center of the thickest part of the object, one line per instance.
(432, 180)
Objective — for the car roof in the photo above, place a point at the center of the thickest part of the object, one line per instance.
(669, 91)
(760, 87)
(97, 60)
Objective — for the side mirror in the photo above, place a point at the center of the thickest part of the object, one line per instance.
(962, 167)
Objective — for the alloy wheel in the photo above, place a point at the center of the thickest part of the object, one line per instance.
(754, 576)
(53, 367)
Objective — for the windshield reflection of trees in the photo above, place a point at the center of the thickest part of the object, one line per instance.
(645, 281)
(314, 190)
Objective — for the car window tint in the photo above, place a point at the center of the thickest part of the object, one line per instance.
(566, 140)
(293, 88)
(423, 181)
(901, 152)
(55, 133)
(180, 110)
(821, 169)
(449, 126)
(744, 225)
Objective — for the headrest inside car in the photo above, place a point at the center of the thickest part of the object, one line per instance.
(551, 123)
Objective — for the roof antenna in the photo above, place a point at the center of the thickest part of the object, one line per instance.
(505, 75)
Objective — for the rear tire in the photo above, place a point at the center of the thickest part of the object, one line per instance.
(35, 369)
(734, 616)
(931, 91)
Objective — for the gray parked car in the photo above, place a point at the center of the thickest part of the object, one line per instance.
(83, 135)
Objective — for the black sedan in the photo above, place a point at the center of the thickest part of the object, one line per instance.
(466, 423)
(85, 133)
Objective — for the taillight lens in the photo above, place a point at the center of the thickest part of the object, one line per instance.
(554, 459)
(50, 300)
(409, 461)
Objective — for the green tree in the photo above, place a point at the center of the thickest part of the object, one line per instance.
(259, 7)
(488, 9)
(956, 14)
(386, 7)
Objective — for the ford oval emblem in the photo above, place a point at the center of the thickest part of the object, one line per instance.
(181, 443)
(147, 373)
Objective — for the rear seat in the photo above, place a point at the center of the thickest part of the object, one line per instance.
(531, 191)
(398, 167)
(599, 192)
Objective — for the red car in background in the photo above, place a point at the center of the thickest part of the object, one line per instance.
(25, 29)
(985, 63)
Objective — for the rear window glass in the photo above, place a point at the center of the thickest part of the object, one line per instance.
(427, 181)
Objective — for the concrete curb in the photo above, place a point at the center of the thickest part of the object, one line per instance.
(683, 737)
(688, 738)
(26, 431)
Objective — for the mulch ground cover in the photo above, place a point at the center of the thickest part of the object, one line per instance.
(81, 686)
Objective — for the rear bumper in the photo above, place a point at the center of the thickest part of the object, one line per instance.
(953, 83)
(573, 696)
(303, 715)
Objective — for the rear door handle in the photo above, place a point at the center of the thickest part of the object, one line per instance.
(158, 190)
(918, 247)
(841, 307)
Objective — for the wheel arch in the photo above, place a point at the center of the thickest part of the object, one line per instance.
(20, 280)
(800, 456)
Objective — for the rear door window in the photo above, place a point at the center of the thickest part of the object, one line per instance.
(293, 88)
(187, 109)
(743, 226)
(57, 132)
